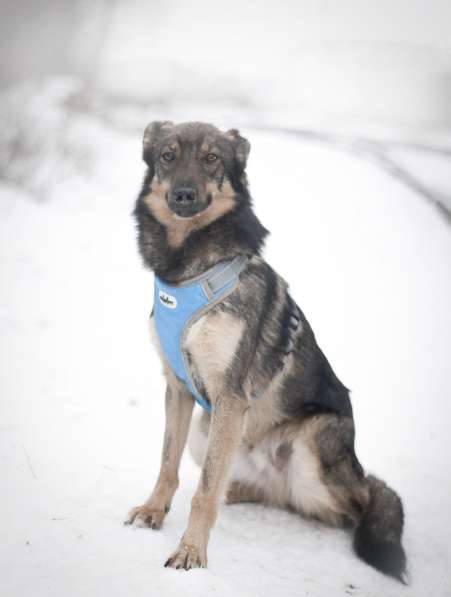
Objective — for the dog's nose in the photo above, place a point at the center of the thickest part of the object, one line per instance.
(185, 195)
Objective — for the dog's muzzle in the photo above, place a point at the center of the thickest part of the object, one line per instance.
(184, 201)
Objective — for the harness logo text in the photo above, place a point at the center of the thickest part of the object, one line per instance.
(167, 300)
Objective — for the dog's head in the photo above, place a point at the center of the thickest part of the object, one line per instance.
(194, 168)
(194, 208)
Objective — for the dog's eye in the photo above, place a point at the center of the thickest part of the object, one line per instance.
(210, 158)
(168, 156)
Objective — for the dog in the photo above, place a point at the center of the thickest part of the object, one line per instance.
(277, 425)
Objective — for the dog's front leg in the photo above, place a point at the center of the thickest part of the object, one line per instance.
(224, 436)
(179, 408)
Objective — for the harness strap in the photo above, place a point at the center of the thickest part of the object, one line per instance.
(218, 278)
(177, 307)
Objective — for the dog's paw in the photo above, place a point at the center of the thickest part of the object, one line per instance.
(187, 556)
(146, 516)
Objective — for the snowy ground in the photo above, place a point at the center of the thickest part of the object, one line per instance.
(81, 390)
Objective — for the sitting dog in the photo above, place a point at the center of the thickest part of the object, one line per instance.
(277, 424)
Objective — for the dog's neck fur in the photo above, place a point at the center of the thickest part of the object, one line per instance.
(238, 232)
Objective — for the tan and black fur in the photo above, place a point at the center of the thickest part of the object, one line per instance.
(281, 429)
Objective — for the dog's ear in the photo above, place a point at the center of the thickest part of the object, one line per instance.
(240, 145)
(152, 134)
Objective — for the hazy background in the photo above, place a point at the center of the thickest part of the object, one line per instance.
(387, 60)
(378, 71)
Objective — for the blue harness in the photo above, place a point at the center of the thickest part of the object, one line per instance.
(177, 307)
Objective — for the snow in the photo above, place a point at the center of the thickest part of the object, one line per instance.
(82, 392)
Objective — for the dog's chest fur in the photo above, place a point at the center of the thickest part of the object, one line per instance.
(211, 345)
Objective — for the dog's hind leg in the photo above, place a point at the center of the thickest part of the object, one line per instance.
(324, 478)
(179, 407)
(239, 492)
(327, 481)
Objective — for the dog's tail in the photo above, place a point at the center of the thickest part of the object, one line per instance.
(378, 535)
